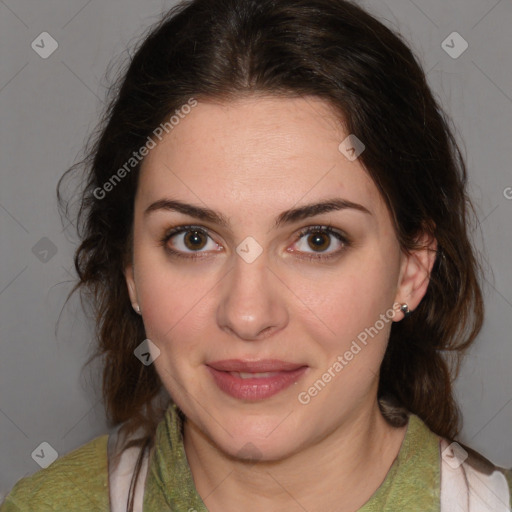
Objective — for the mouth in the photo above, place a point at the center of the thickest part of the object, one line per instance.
(255, 380)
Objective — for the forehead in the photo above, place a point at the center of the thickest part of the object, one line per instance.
(259, 154)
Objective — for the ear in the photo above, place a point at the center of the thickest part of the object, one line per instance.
(415, 273)
(130, 282)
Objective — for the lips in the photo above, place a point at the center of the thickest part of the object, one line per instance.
(254, 380)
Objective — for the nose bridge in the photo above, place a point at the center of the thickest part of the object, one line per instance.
(251, 301)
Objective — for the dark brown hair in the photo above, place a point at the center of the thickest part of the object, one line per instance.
(333, 50)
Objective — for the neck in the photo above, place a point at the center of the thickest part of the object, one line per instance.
(340, 472)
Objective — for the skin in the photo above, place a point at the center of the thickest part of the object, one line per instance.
(250, 160)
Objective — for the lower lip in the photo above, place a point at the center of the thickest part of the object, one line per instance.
(255, 388)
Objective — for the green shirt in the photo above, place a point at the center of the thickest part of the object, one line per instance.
(78, 481)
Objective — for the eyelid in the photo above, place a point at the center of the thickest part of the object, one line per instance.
(184, 228)
(325, 228)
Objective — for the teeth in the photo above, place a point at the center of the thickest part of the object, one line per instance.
(245, 375)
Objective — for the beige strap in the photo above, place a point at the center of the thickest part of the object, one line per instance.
(121, 476)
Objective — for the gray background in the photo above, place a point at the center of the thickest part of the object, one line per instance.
(49, 106)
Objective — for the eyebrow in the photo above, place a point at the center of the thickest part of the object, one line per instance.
(286, 217)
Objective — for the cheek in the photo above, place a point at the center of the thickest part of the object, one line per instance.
(361, 288)
(166, 292)
(172, 308)
(346, 307)
(177, 308)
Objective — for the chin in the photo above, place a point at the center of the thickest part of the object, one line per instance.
(255, 450)
(265, 441)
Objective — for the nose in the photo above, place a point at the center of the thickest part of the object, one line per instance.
(252, 304)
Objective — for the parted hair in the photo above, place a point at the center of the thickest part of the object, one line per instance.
(329, 49)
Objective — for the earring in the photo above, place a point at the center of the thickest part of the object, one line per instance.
(137, 308)
(404, 308)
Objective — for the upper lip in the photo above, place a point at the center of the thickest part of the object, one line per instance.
(261, 365)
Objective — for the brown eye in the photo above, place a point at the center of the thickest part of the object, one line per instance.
(194, 240)
(319, 241)
(189, 242)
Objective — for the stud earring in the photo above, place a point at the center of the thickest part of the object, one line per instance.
(404, 308)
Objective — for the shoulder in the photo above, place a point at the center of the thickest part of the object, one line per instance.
(75, 481)
(488, 486)
(462, 473)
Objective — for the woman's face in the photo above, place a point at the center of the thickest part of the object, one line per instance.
(258, 289)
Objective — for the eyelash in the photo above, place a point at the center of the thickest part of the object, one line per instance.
(326, 229)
